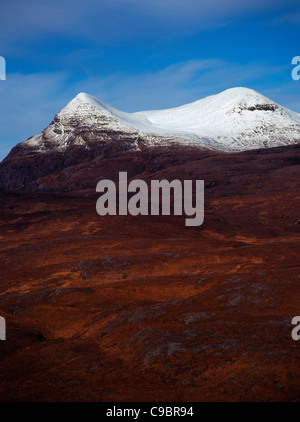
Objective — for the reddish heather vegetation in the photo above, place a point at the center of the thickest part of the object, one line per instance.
(144, 308)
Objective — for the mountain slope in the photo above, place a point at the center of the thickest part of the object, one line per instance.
(142, 308)
(87, 129)
(87, 121)
(236, 119)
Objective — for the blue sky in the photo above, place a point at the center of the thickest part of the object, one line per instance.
(140, 54)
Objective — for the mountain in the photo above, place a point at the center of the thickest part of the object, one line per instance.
(237, 119)
(87, 129)
(143, 308)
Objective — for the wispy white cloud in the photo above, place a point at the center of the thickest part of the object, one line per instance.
(28, 103)
(177, 84)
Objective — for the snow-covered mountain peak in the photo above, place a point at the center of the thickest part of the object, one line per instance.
(241, 94)
(242, 99)
(236, 119)
(84, 101)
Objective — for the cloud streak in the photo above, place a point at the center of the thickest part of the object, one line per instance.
(27, 105)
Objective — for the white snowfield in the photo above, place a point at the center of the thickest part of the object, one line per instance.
(237, 119)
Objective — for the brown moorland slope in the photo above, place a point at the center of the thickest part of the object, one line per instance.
(144, 308)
